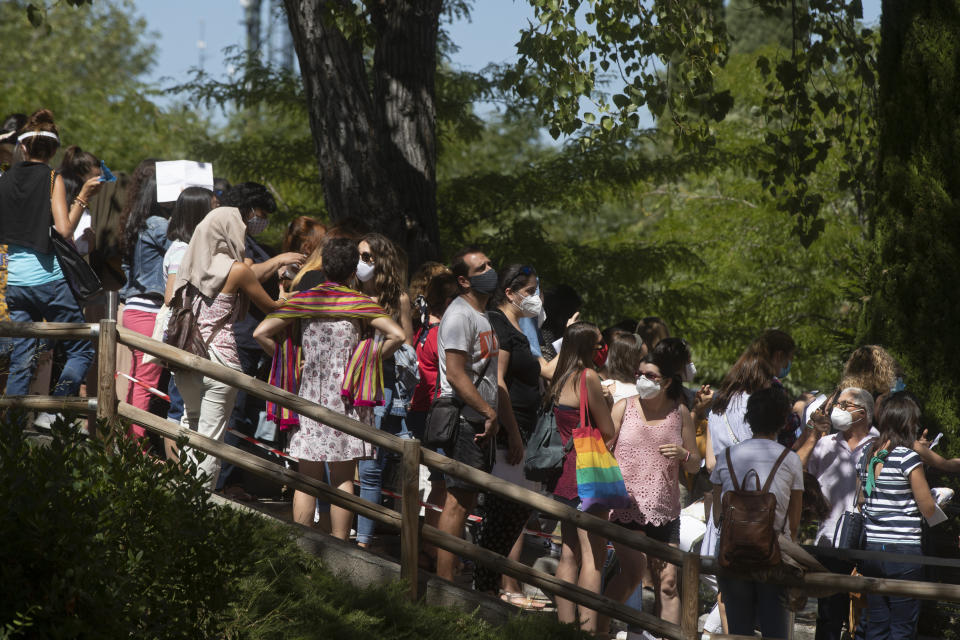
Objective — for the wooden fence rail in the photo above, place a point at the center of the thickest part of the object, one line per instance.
(412, 455)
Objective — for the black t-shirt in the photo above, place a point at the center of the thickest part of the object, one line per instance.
(523, 372)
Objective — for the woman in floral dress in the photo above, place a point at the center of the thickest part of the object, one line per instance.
(332, 318)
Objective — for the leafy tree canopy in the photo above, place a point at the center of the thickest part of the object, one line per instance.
(86, 64)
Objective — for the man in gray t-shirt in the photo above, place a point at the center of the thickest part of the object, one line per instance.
(467, 349)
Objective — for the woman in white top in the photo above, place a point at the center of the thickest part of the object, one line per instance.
(192, 206)
(746, 600)
(768, 358)
(622, 367)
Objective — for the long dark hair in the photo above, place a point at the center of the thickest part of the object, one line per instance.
(193, 204)
(74, 168)
(753, 369)
(141, 204)
(899, 422)
(576, 354)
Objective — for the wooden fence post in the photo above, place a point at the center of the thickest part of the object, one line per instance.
(106, 364)
(410, 516)
(690, 596)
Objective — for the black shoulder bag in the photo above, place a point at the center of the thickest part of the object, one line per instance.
(444, 414)
(80, 276)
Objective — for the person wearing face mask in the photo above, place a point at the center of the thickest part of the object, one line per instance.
(255, 203)
(382, 272)
(519, 386)
(833, 462)
(469, 351)
(655, 438)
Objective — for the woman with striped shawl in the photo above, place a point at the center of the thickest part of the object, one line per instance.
(339, 371)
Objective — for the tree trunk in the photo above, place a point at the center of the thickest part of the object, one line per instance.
(375, 134)
(914, 308)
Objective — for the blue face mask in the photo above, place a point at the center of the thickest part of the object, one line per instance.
(784, 372)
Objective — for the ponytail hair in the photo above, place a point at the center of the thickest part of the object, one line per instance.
(41, 148)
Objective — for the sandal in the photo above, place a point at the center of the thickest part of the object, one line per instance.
(522, 601)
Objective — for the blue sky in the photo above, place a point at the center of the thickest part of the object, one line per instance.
(488, 37)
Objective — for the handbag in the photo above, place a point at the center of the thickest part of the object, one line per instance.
(183, 331)
(545, 452)
(851, 531)
(444, 415)
(159, 331)
(599, 480)
(80, 276)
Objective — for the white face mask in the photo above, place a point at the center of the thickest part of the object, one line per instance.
(689, 372)
(841, 419)
(364, 271)
(529, 307)
(647, 388)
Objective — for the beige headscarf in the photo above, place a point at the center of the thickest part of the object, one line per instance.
(217, 243)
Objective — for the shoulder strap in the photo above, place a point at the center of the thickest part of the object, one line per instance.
(733, 436)
(733, 475)
(773, 471)
(483, 372)
(584, 404)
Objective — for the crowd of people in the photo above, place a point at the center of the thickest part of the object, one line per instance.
(335, 317)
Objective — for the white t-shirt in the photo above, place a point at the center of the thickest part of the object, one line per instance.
(761, 454)
(173, 257)
(463, 328)
(834, 465)
(620, 390)
(729, 427)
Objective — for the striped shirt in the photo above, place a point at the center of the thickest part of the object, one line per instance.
(892, 514)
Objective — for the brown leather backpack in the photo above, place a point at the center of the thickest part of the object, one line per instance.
(748, 538)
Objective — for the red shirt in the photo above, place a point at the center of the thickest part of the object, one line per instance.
(429, 362)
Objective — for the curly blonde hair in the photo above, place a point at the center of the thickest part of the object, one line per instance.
(870, 367)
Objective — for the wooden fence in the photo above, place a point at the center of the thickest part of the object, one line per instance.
(412, 530)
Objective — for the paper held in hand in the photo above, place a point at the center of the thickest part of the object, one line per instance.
(173, 176)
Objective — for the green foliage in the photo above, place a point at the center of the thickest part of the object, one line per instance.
(289, 595)
(913, 307)
(822, 96)
(752, 25)
(86, 65)
(102, 541)
(574, 51)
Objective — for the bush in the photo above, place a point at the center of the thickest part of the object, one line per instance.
(102, 541)
(105, 541)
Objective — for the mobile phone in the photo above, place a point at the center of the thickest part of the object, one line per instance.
(105, 174)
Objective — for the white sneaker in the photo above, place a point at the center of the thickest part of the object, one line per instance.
(44, 420)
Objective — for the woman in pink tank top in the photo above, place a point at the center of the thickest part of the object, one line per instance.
(656, 437)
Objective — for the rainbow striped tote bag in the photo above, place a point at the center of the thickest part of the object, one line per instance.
(599, 481)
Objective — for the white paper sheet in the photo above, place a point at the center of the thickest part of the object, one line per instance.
(81, 243)
(556, 344)
(813, 406)
(173, 176)
(937, 517)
